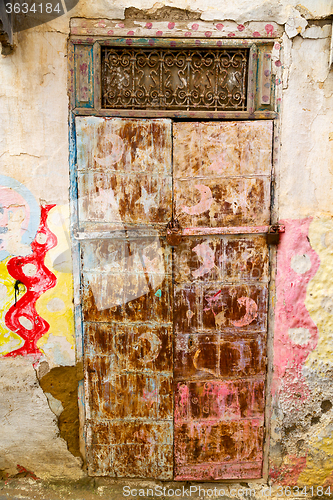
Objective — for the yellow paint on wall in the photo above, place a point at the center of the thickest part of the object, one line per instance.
(319, 297)
(56, 304)
(319, 303)
(8, 339)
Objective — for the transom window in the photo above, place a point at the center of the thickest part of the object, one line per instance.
(184, 79)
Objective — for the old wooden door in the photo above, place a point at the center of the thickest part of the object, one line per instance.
(174, 337)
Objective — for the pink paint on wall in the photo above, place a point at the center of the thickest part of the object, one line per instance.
(288, 474)
(296, 335)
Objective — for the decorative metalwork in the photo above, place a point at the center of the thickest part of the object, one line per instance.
(174, 79)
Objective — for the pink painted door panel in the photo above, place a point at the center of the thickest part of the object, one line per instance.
(221, 178)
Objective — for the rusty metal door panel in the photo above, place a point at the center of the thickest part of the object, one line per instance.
(209, 307)
(220, 355)
(124, 171)
(123, 145)
(233, 258)
(123, 199)
(221, 450)
(128, 346)
(108, 298)
(126, 281)
(133, 458)
(216, 201)
(125, 396)
(226, 149)
(128, 340)
(124, 181)
(140, 255)
(227, 307)
(221, 178)
(216, 400)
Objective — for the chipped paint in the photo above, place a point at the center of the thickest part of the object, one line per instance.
(29, 432)
(179, 29)
(297, 265)
(20, 215)
(60, 387)
(318, 302)
(301, 353)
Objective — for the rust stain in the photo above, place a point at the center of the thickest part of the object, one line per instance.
(216, 258)
(104, 299)
(131, 347)
(124, 171)
(228, 149)
(223, 202)
(215, 306)
(217, 400)
(217, 444)
(219, 355)
(220, 329)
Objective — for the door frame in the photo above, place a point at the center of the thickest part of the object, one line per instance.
(84, 47)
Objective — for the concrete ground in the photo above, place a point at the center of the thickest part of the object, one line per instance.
(27, 488)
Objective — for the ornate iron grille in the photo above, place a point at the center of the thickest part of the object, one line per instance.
(174, 79)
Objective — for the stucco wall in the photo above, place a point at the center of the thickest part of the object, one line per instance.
(35, 170)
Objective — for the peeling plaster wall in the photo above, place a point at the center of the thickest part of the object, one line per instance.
(33, 114)
(306, 136)
(28, 428)
(34, 153)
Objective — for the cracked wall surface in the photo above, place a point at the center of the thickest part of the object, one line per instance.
(28, 428)
(34, 154)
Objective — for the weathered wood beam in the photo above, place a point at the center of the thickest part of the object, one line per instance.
(6, 30)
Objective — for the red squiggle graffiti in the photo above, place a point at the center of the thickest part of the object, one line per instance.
(22, 317)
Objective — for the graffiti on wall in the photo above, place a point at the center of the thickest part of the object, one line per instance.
(28, 271)
(22, 317)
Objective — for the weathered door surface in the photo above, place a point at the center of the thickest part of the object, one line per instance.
(221, 178)
(125, 182)
(174, 338)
